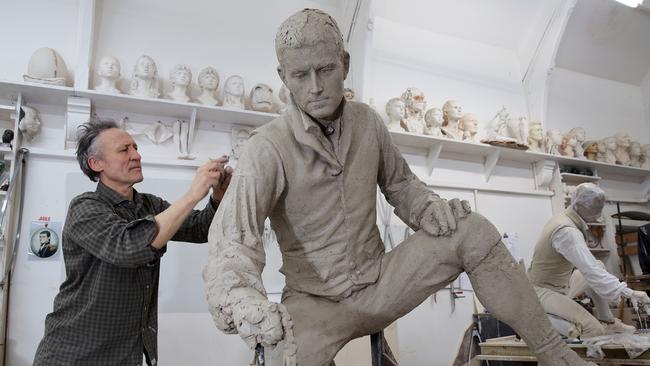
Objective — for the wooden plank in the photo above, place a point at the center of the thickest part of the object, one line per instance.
(628, 238)
(630, 249)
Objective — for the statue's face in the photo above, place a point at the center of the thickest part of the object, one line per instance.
(418, 103)
(181, 77)
(262, 99)
(433, 117)
(470, 123)
(635, 150)
(145, 68)
(396, 110)
(454, 111)
(109, 67)
(209, 82)
(314, 74)
(623, 141)
(592, 149)
(536, 132)
(235, 86)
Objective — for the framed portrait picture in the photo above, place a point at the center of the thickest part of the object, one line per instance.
(44, 240)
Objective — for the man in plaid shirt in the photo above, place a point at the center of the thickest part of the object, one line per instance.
(113, 238)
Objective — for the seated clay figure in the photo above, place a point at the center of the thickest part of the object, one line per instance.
(396, 110)
(415, 108)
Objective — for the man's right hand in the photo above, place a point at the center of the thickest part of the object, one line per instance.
(637, 297)
(207, 175)
(258, 321)
(440, 218)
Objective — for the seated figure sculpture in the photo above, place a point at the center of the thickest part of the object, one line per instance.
(340, 283)
(415, 107)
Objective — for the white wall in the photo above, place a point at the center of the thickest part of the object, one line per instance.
(603, 107)
(645, 92)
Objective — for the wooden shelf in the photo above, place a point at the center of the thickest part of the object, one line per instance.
(578, 178)
(35, 93)
(599, 252)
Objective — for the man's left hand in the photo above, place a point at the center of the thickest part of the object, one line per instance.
(225, 174)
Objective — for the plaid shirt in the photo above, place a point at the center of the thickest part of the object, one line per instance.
(106, 310)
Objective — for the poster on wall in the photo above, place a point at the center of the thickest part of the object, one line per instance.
(44, 240)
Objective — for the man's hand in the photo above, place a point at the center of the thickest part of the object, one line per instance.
(225, 174)
(637, 297)
(207, 175)
(439, 219)
(258, 321)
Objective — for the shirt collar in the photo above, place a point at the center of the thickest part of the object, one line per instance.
(580, 223)
(309, 124)
(115, 198)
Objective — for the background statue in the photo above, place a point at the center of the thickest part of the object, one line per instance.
(233, 92)
(180, 78)
(396, 111)
(415, 107)
(433, 119)
(580, 136)
(536, 137)
(144, 82)
(469, 126)
(645, 156)
(499, 130)
(635, 154)
(209, 83)
(261, 98)
(553, 141)
(622, 148)
(590, 150)
(452, 112)
(284, 95)
(569, 142)
(348, 94)
(108, 71)
(610, 150)
(30, 124)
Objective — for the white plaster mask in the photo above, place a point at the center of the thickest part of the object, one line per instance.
(46, 67)
(158, 133)
(262, 98)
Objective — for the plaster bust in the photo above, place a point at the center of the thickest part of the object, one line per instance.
(553, 141)
(590, 150)
(261, 98)
(108, 72)
(452, 112)
(536, 137)
(610, 150)
(180, 78)
(602, 150)
(396, 110)
(30, 124)
(415, 108)
(46, 67)
(433, 120)
(622, 148)
(209, 83)
(645, 156)
(635, 154)
(568, 145)
(580, 136)
(233, 92)
(469, 126)
(144, 82)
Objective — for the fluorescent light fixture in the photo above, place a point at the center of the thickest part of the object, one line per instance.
(631, 3)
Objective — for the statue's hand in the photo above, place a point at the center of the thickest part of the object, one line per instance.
(258, 321)
(439, 219)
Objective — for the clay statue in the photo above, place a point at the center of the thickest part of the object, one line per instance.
(30, 124)
(452, 112)
(209, 83)
(109, 74)
(433, 119)
(622, 148)
(553, 141)
(645, 156)
(180, 78)
(233, 92)
(340, 282)
(46, 66)
(502, 128)
(144, 82)
(536, 137)
(261, 98)
(635, 154)
(415, 108)
(590, 150)
(396, 111)
(568, 144)
(610, 150)
(469, 126)
(580, 136)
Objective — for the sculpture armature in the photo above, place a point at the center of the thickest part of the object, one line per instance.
(415, 108)
(340, 284)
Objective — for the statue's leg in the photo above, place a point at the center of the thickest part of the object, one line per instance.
(503, 288)
(564, 307)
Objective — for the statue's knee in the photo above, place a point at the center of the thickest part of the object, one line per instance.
(479, 237)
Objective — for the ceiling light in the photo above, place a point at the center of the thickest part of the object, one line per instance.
(631, 3)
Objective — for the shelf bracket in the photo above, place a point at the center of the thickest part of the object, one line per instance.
(77, 113)
(543, 171)
(491, 161)
(432, 156)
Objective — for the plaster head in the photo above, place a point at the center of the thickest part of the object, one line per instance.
(234, 86)
(645, 150)
(623, 139)
(414, 99)
(261, 98)
(312, 62)
(145, 68)
(469, 122)
(589, 201)
(46, 66)
(180, 75)
(433, 117)
(569, 139)
(602, 146)
(590, 147)
(635, 149)
(208, 79)
(579, 133)
(109, 67)
(611, 143)
(451, 111)
(396, 109)
(536, 132)
(555, 135)
(348, 94)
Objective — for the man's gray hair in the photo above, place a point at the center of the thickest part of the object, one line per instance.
(307, 28)
(88, 144)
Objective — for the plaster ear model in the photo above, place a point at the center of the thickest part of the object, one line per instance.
(158, 133)
(30, 124)
(233, 92)
(433, 120)
(144, 82)
(46, 67)
(261, 98)
(209, 83)
(580, 135)
(180, 78)
(469, 126)
(396, 110)
(635, 154)
(622, 148)
(108, 73)
(536, 137)
(415, 107)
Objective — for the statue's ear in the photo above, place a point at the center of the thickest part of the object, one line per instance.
(281, 74)
(346, 62)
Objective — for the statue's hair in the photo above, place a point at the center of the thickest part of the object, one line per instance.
(208, 71)
(307, 28)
